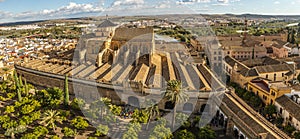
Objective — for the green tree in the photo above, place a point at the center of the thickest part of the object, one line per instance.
(17, 85)
(160, 132)
(26, 87)
(9, 109)
(140, 116)
(206, 133)
(116, 110)
(152, 110)
(184, 134)
(132, 131)
(29, 136)
(77, 103)
(68, 132)
(175, 94)
(50, 117)
(40, 131)
(182, 119)
(289, 129)
(297, 135)
(270, 110)
(247, 96)
(13, 131)
(66, 100)
(255, 101)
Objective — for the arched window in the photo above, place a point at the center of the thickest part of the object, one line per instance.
(133, 101)
(188, 107)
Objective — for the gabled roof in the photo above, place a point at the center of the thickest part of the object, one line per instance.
(241, 68)
(260, 61)
(273, 68)
(290, 106)
(106, 23)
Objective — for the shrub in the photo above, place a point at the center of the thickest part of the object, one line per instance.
(40, 131)
(116, 110)
(79, 123)
(4, 118)
(182, 119)
(12, 131)
(184, 134)
(68, 132)
(10, 95)
(289, 129)
(102, 130)
(140, 116)
(29, 136)
(77, 103)
(9, 124)
(160, 132)
(9, 109)
(2, 98)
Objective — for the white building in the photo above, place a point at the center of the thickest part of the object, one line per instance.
(289, 110)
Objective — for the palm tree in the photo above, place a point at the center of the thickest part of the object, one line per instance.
(175, 94)
(50, 118)
(6, 72)
(152, 111)
(104, 103)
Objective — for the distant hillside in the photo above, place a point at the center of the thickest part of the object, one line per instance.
(249, 16)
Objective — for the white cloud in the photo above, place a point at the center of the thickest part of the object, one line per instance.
(162, 5)
(1, 0)
(276, 2)
(223, 1)
(127, 2)
(192, 1)
(62, 12)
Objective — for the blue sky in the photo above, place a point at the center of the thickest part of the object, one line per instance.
(23, 10)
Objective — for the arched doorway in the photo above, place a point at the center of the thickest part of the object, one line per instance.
(169, 105)
(133, 101)
(188, 107)
(235, 133)
(242, 136)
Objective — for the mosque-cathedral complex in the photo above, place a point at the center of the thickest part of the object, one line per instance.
(122, 58)
(131, 65)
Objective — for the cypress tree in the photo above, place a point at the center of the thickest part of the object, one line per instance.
(66, 100)
(293, 37)
(26, 87)
(288, 36)
(17, 86)
(20, 81)
(253, 53)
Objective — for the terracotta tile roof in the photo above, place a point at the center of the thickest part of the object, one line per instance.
(290, 106)
(106, 23)
(274, 68)
(260, 61)
(126, 34)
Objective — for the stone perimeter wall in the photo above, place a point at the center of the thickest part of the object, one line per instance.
(90, 91)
